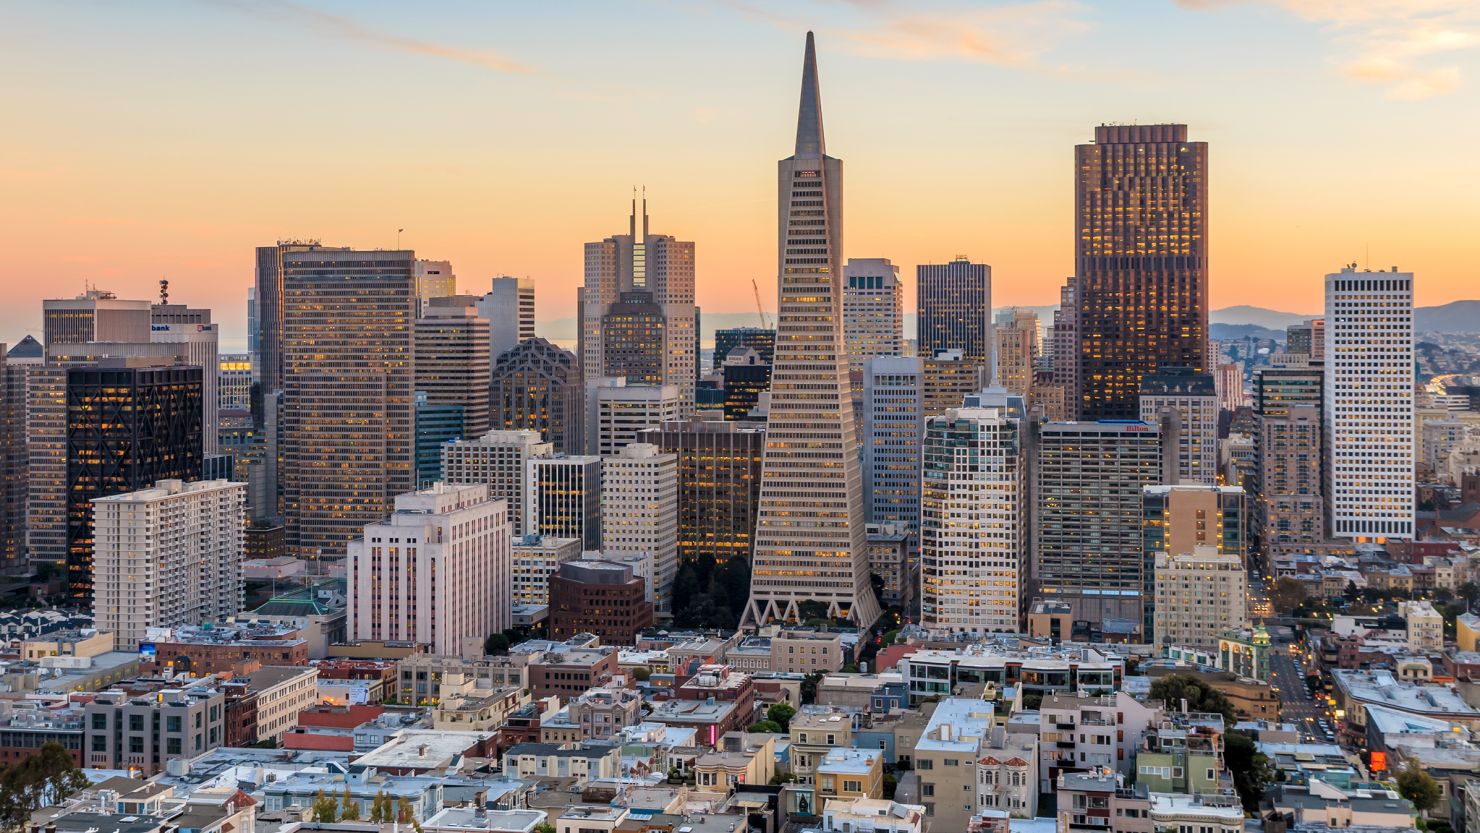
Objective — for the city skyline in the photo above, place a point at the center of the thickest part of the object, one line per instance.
(478, 192)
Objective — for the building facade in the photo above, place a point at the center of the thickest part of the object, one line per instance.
(437, 572)
(562, 499)
(620, 410)
(452, 363)
(973, 521)
(1141, 261)
(509, 308)
(873, 310)
(600, 597)
(639, 512)
(1199, 596)
(349, 413)
(499, 459)
(166, 556)
(719, 486)
(810, 537)
(955, 310)
(1088, 550)
(130, 423)
(1369, 404)
(537, 386)
(638, 320)
(893, 425)
(1191, 397)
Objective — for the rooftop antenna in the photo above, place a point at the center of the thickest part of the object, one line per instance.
(164, 291)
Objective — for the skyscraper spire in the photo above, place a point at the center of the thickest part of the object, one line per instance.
(810, 544)
(809, 114)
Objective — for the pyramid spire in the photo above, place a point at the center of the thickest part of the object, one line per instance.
(809, 114)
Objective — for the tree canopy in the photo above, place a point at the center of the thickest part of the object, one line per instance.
(41, 779)
(1201, 697)
(1418, 786)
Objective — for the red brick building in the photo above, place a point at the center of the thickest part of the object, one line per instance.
(600, 597)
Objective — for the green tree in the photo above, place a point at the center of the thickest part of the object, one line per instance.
(380, 808)
(1418, 786)
(764, 726)
(1201, 697)
(809, 687)
(781, 714)
(41, 779)
(1287, 594)
(642, 674)
(544, 827)
(404, 813)
(325, 809)
(1252, 772)
(349, 806)
(496, 643)
(1469, 591)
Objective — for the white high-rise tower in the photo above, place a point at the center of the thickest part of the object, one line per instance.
(1369, 404)
(810, 536)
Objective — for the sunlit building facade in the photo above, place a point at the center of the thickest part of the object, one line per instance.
(973, 520)
(349, 411)
(1141, 261)
(810, 537)
(1369, 404)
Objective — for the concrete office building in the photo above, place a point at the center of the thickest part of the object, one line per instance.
(234, 382)
(639, 512)
(562, 499)
(949, 377)
(434, 279)
(1192, 397)
(166, 556)
(1369, 404)
(873, 314)
(537, 386)
(1290, 510)
(349, 412)
(810, 536)
(974, 519)
(200, 340)
(1199, 595)
(1141, 262)
(94, 316)
(893, 424)
(619, 410)
(536, 558)
(271, 312)
(1017, 351)
(499, 459)
(130, 423)
(719, 486)
(1088, 525)
(762, 341)
(509, 308)
(438, 572)
(955, 310)
(638, 320)
(452, 364)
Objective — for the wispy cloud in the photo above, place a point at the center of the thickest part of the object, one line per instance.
(1396, 44)
(1003, 34)
(1013, 35)
(345, 28)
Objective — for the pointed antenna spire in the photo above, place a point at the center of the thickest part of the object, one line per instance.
(644, 213)
(809, 114)
(632, 218)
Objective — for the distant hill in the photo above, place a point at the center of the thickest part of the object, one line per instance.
(1235, 332)
(1454, 317)
(1235, 322)
(1261, 317)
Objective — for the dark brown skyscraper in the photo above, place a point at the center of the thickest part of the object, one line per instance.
(1141, 258)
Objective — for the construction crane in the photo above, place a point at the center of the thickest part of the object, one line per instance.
(760, 310)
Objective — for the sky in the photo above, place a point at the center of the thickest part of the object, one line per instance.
(167, 138)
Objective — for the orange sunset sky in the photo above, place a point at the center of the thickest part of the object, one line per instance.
(166, 139)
